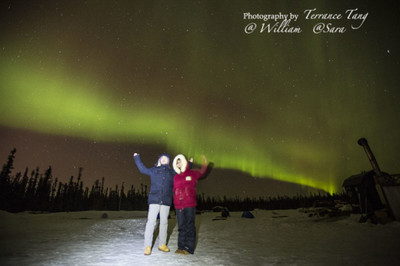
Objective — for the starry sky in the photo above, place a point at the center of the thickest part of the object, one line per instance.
(88, 83)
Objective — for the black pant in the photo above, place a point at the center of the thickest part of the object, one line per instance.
(186, 229)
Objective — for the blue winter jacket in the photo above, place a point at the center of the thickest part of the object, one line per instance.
(162, 180)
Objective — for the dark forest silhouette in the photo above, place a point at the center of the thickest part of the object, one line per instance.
(42, 192)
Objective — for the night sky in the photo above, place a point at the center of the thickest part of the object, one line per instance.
(88, 83)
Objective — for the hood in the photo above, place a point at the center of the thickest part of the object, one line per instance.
(183, 161)
(159, 160)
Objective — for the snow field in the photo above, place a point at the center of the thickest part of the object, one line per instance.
(281, 237)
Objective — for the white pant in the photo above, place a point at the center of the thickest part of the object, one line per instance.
(154, 210)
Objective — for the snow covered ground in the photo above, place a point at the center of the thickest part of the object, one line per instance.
(282, 237)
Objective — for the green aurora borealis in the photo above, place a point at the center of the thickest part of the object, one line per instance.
(184, 75)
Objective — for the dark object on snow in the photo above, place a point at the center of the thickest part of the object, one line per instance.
(374, 190)
(224, 211)
(219, 218)
(104, 216)
(247, 214)
(280, 216)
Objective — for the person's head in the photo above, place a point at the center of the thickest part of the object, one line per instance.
(180, 163)
(163, 160)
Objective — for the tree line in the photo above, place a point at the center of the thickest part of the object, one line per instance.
(41, 192)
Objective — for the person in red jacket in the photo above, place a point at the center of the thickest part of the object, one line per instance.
(184, 190)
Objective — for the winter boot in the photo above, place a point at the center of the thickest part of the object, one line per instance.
(147, 250)
(183, 252)
(163, 248)
(179, 251)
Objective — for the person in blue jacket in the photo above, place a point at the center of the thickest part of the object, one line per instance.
(160, 199)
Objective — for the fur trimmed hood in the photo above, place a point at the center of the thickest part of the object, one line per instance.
(184, 163)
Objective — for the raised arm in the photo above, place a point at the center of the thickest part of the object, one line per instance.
(143, 169)
(190, 163)
(203, 169)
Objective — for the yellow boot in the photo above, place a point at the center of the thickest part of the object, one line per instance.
(147, 250)
(163, 248)
(183, 252)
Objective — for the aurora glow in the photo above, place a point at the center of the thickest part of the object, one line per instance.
(185, 76)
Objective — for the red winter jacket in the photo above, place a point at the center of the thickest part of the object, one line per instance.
(185, 184)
